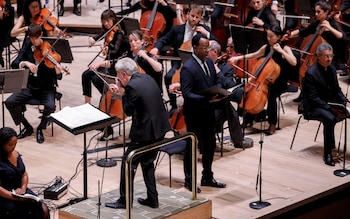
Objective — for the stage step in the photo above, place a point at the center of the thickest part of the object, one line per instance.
(173, 204)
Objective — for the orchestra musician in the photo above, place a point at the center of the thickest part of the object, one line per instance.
(115, 45)
(164, 8)
(197, 74)
(330, 32)
(320, 87)
(31, 11)
(6, 23)
(76, 10)
(260, 15)
(41, 85)
(177, 36)
(285, 58)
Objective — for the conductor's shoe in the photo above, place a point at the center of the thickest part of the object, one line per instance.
(40, 136)
(25, 132)
(76, 12)
(328, 159)
(148, 202)
(188, 186)
(213, 183)
(116, 204)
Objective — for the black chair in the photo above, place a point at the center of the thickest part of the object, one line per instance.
(302, 115)
(171, 149)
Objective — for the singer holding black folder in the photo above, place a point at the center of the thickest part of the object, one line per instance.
(320, 87)
(197, 74)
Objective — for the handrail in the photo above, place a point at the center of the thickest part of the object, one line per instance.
(132, 154)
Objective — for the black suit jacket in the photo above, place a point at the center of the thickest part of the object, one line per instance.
(321, 86)
(193, 82)
(143, 101)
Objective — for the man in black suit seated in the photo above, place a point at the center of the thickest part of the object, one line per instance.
(321, 87)
(143, 101)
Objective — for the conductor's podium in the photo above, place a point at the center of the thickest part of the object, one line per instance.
(173, 204)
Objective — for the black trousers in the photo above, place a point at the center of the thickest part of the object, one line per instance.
(204, 129)
(328, 120)
(89, 77)
(15, 102)
(146, 160)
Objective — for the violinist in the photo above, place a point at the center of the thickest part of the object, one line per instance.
(41, 84)
(145, 60)
(285, 58)
(331, 33)
(163, 7)
(321, 87)
(115, 46)
(31, 15)
(176, 37)
(260, 15)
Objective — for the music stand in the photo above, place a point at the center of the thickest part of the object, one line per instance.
(129, 25)
(95, 119)
(62, 47)
(247, 39)
(12, 81)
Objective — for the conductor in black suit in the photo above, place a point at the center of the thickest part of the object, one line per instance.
(197, 74)
(143, 101)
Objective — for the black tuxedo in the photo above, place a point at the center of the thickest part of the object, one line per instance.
(199, 113)
(143, 101)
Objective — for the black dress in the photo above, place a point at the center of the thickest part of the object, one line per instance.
(10, 178)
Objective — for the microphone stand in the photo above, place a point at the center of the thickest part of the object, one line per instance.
(106, 162)
(259, 204)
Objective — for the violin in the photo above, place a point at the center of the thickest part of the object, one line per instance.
(51, 59)
(4, 9)
(45, 19)
(109, 38)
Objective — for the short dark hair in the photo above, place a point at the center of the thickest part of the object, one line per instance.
(276, 29)
(324, 5)
(196, 38)
(108, 14)
(34, 30)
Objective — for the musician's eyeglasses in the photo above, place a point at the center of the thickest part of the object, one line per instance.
(327, 56)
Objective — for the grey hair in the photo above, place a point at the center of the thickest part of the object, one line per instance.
(126, 64)
(215, 45)
(323, 46)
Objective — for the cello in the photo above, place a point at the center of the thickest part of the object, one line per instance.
(152, 24)
(266, 71)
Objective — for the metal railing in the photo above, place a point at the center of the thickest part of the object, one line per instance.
(157, 145)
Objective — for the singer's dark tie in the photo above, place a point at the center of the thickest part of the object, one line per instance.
(206, 69)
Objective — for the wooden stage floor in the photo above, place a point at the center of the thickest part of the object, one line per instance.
(288, 176)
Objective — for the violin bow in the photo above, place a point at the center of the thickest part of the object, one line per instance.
(110, 29)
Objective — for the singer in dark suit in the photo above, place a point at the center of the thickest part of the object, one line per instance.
(197, 74)
(176, 37)
(143, 101)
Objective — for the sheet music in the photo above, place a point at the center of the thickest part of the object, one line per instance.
(74, 117)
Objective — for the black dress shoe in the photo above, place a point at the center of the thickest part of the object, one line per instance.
(40, 136)
(116, 204)
(328, 159)
(148, 203)
(188, 186)
(61, 12)
(25, 132)
(76, 12)
(107, 134)
(212, 182)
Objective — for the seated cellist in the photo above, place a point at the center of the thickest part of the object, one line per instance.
(285, 58)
